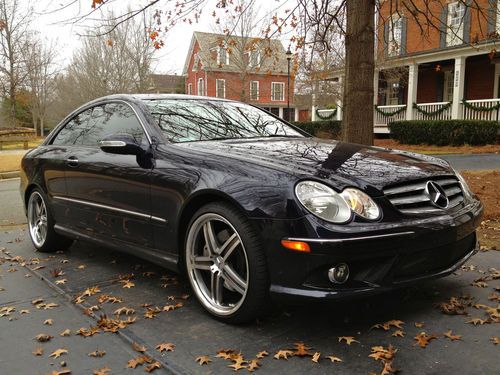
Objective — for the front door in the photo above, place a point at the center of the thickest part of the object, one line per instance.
(108, 194)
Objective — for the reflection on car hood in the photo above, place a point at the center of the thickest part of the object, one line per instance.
(343, 163)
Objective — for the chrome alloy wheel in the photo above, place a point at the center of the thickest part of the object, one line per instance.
(37, 219)
(217, 264)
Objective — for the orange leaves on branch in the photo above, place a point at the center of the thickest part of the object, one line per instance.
(3, 25)
(203, 360)
(348, 339)
(95, 3)
(153, 35)
(423, 339)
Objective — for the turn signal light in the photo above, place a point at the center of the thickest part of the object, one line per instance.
(296, 246)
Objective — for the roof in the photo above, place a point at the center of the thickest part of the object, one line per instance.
(272, 52)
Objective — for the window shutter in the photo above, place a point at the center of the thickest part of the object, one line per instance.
(402, 48)
(492, 16)
(467, 17)
(443, 18)
(386, 37)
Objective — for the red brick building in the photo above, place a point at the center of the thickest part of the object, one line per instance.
(446, 67)
(248, 69)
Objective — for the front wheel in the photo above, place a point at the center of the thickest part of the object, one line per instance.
(41, 225)
(225, 263)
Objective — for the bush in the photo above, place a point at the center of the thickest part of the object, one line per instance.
(330, 128)
(445, 132)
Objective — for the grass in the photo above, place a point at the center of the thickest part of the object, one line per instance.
(10, 162)
(20, 145)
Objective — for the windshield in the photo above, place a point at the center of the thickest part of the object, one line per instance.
(188, 120)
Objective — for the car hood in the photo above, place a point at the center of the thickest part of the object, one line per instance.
(342, 164)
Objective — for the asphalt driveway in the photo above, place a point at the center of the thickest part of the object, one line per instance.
(195, 334)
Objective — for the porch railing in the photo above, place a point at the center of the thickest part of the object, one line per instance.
(432, 111)
(398, 112)
(482, 109)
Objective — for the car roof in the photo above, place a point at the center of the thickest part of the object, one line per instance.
(135, 97)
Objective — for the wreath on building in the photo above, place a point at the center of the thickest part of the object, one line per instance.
(326, 117)
(390, 114)
(432, 113)
(481, 108)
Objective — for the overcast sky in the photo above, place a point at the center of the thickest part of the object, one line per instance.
(53, 21)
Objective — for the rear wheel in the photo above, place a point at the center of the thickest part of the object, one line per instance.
(41, 225)
(225, 263)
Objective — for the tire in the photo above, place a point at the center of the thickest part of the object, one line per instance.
(228, 273)
(41, 225)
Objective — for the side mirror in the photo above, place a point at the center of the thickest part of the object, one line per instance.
(123, 144)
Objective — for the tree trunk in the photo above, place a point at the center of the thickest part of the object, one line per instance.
(357, 120)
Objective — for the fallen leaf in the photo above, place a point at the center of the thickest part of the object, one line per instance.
(165, 346)
(61, 281)
(334, 359)
(128, 284)
(43, 337)
(348, 339)
(262, 354)
(102, 371)
(452, 337)
(65, 371)
(253, 365)
(138, 348)
(496, 340)
(283, 354)
(419, 325)
(153, 366)
(66, 332)
(97, 354)
(398, 333)
(38, 351)
(203, 360)
(237, 366)
(48, 322)
(477, 321)
(315, 357)
(423, 339)
(301, 350)
(24, 311)
(479, 284)
(57, 353)
(124, 310)
(81, 267)
(89, 292)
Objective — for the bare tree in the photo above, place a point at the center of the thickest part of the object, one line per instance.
(40, 66)
(14, 23)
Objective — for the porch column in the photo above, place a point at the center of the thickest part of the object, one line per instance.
(313, 107)
(412, 90)
(280, 112)
(458, 88)
(339, 101)
(375, 87)
(296, 114)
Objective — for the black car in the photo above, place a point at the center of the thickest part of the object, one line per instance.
(249, 206)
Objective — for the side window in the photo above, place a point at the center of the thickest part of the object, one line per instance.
(71, 131)
(113, 118)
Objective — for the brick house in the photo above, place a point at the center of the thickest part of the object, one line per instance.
(448, 71)
(248, 69)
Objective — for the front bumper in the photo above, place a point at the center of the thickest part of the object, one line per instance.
(380, 256)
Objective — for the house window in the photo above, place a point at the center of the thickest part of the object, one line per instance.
(277, 91)
(222, 56)
(254, 58)
(395, 35)
(448, 85)
(196, 61)
(190, 89)
(393, 92)
(220, 88)
(201, 87)
(254, 90)
(455, 22)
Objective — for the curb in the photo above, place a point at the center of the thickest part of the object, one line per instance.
(6, 175)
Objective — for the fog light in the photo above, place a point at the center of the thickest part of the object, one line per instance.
(339, 274)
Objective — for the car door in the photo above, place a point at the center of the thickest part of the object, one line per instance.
(109, 194)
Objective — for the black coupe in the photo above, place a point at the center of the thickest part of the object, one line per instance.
(247, 205)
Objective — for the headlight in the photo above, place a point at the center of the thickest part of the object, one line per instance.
(323, 201)
(331, 206)
(466, 189)
(361, 204)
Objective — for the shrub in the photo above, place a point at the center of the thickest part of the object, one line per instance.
(330, 128)
(445, 132)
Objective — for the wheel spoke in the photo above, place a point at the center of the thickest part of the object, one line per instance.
(228, 247)
(201, 262)
(210, 240)
(216, 285)
(234, 280)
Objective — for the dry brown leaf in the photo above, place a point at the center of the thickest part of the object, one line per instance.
(57, 353)
(102, 371)
(398, 333)
(66, 332)
(65, 371)
(203, 360)
(283, 354)
(48, 322)
(334, 359)
(38, 351)
(315, 357)
(138, 348)
(124, 310)
(423, 339)
(43, 337)
(237, 366)
(153, 366)
(451, 336)
(348, 339)
(419, 324)
(89, 292)
(61, 281)
(97, 353)
(262, 354)
(477, 321)
(496, 340)
(253, 365)
(128, 284)
(25, 311)
(165, 346)
(301, 350)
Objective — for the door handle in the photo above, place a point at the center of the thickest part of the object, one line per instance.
(72, 161)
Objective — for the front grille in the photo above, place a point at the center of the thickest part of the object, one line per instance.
(410, 197)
